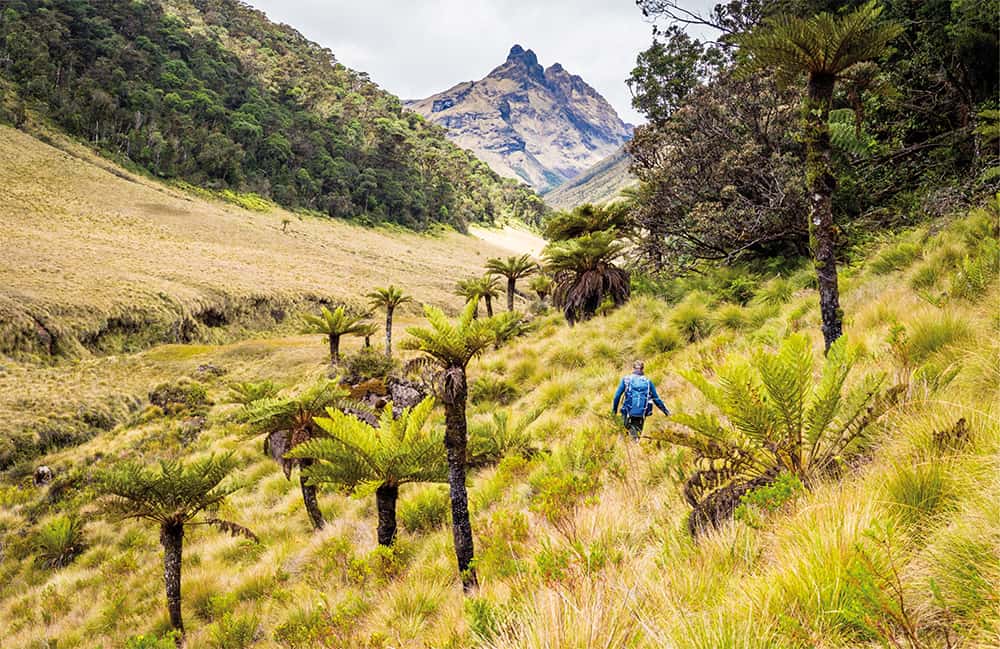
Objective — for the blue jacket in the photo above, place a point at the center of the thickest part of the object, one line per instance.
(653, 397)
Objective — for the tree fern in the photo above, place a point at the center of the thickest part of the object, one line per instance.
(771, 417)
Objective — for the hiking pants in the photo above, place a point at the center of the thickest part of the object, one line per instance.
(633, 425)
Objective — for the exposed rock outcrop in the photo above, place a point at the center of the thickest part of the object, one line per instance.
(541, 125)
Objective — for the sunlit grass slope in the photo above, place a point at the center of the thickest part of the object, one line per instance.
(583, 544)
(95, 258)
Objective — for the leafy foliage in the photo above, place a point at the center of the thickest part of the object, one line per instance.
(775, 418)
(490, 441)
(451, 344)
(250, 391)
(360, 457)
(171, 493)
(334, 324)
(586, 219)
(59, 541)
(585, 275)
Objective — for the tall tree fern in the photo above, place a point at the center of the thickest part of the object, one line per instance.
(823, 48)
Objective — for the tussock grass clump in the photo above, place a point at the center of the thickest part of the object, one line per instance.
(495, 389)
(775, 292)
(424, 510)
(895, 257)
(692, 320)
(731, 316)
(917, 492)
(936, 332)
(659, 340)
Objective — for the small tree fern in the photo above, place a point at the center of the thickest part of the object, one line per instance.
(513, 269)
(174, 495)
(770, 416)
(333, 325)
(288, 421)
(364, 459)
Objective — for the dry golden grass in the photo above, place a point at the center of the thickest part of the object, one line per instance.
(85, 241)
(619, 571)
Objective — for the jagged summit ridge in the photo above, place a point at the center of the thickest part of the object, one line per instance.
(541, 125)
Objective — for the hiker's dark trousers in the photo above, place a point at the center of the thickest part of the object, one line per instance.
(633, 425)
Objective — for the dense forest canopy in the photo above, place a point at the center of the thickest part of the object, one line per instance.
(722, 155)
(211, 92)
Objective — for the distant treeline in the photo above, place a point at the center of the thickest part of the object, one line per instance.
(219, 96)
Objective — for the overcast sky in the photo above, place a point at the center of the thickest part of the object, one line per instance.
(417, 48)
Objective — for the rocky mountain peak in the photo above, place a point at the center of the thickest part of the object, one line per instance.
(541, 125)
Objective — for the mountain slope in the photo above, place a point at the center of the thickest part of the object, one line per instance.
(212, 92)
(541, 125)
(97, 259)
(585, 544)
(600, 184)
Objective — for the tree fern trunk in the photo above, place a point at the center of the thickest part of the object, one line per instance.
(385, 500)
(334, 349)
(511, 287)
(489, 306)
(455, 440)
(820, 183)
(388, 333)
(309, 498)
(172, 540)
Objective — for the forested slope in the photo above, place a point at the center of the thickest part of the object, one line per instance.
(211, 92)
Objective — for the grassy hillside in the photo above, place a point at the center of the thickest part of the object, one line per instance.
(600, 184)
(212, 92)
(582, 543)
(97, 259)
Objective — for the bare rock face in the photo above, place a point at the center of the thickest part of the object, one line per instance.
(43, 476)
(541, 125)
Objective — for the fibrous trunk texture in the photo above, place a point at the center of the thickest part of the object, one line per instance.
(309, 498)
(385, 500)
(172, 540)
(456, 439)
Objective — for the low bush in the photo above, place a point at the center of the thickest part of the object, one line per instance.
(152, 641)
(180, 396)
(977, 272)
(775, 292)
(368, 364)
(757, 504)
(731, 316)
(234, 631)
(250, 391)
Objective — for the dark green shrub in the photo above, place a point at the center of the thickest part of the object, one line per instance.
(757, 504)
(180, 396)
(368, 364)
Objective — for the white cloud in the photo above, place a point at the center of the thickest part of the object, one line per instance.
(415, 49)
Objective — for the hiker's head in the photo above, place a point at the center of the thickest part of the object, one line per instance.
(638, 367)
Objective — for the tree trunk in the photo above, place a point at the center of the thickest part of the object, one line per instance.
(489, 306)
(511, 282)
(309, 497)
(820, 183)
(368, 342)
(385, 499)
(388, 333)
(455, 440)
(172, 540)
(334, 349)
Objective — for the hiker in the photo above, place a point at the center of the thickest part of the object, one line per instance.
(640, 395)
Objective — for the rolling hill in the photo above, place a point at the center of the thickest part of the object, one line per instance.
(600, 184)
